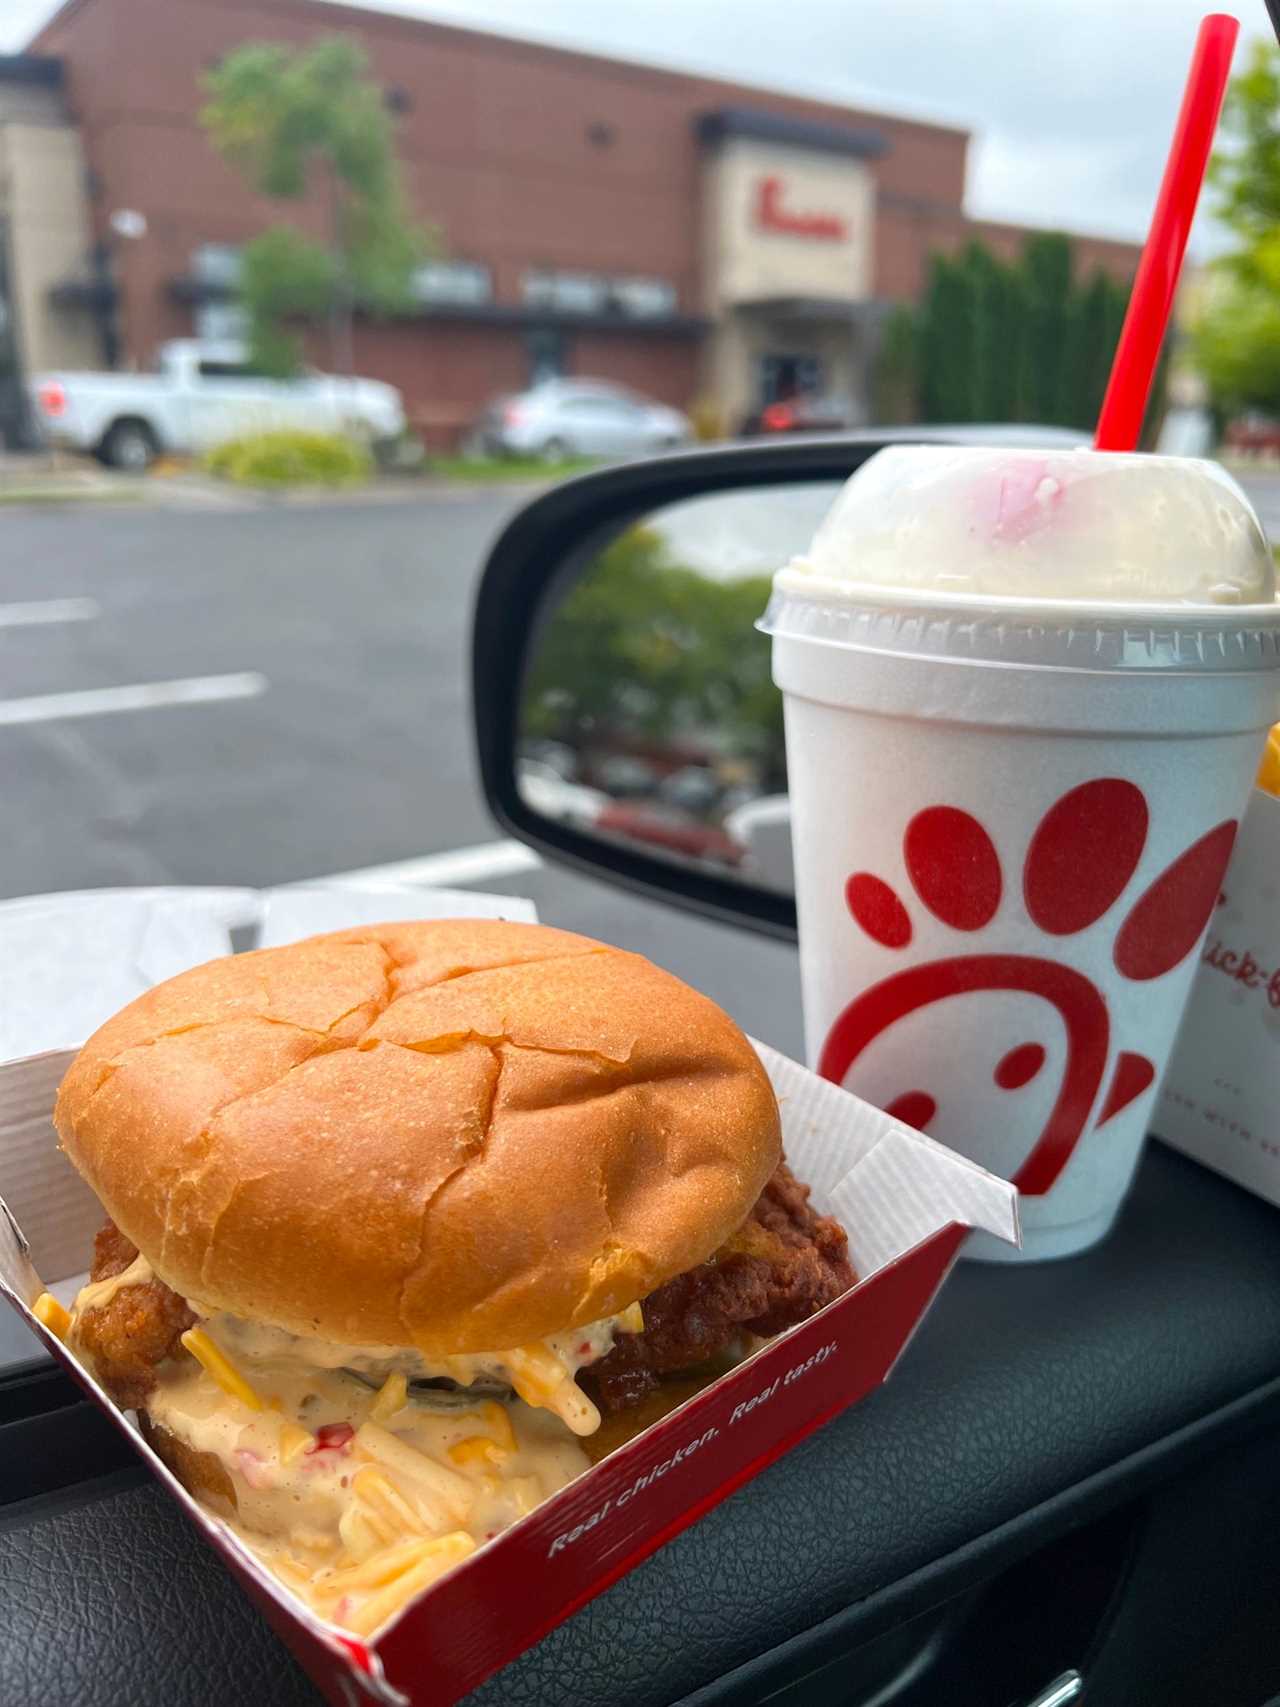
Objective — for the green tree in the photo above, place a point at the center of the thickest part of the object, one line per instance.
(946, 343)
(1095, 315)
(1236, 342)
(1046, 288)
(999, 330)
(894, 371)
(1236, 337)
(999, 342)
(1245, 170)
(302, 122)
(643, 647)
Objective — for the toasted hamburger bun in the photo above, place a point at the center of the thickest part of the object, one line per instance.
(461, 1135)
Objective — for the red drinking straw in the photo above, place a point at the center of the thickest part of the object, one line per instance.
(1134, 366)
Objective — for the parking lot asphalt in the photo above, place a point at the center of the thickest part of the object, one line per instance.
(261, 695)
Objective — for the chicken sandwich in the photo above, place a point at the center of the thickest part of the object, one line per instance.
(407, 1223)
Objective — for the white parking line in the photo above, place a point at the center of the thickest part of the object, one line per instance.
(455, 865)
(138, 696)
(49, 610)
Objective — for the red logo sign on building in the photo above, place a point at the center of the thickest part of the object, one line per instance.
(772, 214)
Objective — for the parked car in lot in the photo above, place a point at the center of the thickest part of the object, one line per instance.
(669, 830)
(572, 417)
(546, 791)
(1254, 434)
(198, 396)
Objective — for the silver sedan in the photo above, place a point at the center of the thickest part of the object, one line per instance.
(562, 418)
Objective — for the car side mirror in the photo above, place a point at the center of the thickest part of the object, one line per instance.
(625, 713)
(626, 719)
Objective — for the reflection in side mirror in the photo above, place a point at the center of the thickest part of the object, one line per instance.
(648, 716)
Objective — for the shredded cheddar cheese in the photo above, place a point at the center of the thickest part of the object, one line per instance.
(542, 1371)
(631, 1321)
(426, 1477)
(314, 1540)
(1269, 774)
(220, 1367)
(390, 1398)
(525, 1491)
(356, 1482)
(364, 1533)
(297, 1576)
(372, 1573)
(499, 1421)
(52, 1315)
(435, 1558)
(536, 1372)
(381, 1495)
(541, 1378)
(294, 1440)
(476, 1449)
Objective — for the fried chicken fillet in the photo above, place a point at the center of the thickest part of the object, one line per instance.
(783, 1264)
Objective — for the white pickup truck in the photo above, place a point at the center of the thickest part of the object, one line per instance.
(199, 395)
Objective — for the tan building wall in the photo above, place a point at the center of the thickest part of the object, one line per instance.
(42, 194)
(748, 261)
(787, 283)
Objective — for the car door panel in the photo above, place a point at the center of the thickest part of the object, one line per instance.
(225, 405)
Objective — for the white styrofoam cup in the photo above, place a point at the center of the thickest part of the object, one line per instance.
(1010, 819)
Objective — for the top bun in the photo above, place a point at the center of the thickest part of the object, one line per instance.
(459, 1135)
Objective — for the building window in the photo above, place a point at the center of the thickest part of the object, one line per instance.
(220, 323)
(217, 265)
(216, 269)
(217, 317)
(593, 293)
(462, 282)
(565, 293)
(216, 369)
(644, 299)
(783, 377)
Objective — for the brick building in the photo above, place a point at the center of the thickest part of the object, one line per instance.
(685, 236)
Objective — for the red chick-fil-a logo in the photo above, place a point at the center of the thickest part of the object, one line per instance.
(1077, 871)
(1242, 966)
(773, 215)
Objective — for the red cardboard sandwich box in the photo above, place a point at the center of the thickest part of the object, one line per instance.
(904, 1201)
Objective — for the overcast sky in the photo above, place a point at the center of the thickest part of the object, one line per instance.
(1071, 102)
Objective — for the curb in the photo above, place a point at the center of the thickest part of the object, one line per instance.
(180, 494)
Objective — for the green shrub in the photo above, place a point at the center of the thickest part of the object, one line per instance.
(291, 459)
